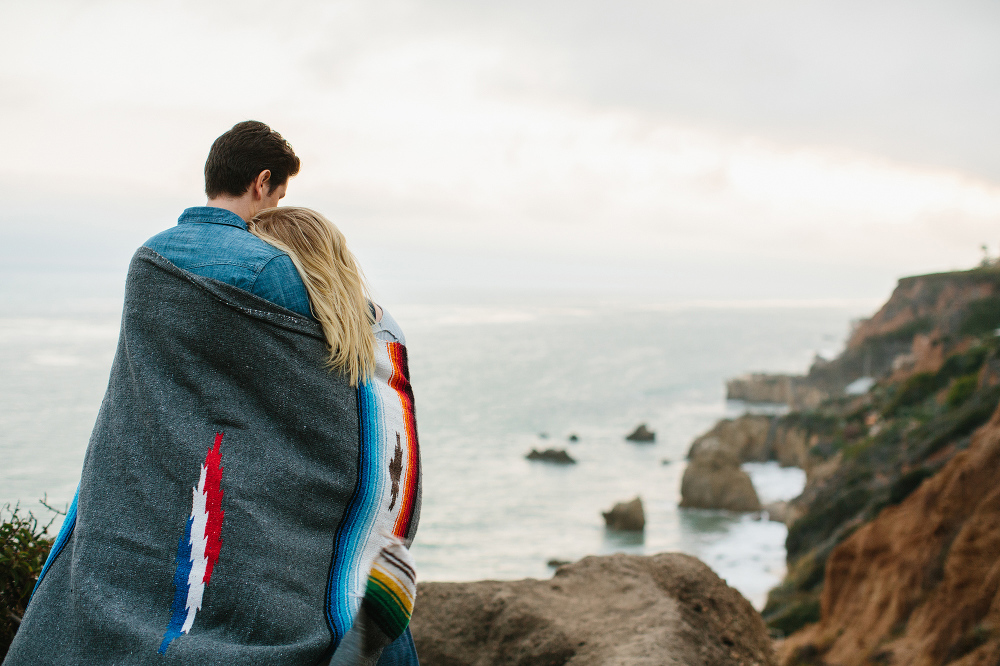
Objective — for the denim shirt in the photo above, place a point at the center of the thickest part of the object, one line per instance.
(215, 243)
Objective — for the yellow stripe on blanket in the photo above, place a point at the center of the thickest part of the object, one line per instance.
(391, 588)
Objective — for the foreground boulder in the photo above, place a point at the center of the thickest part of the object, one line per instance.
(618, 609)
(626, 516)
(713, 480)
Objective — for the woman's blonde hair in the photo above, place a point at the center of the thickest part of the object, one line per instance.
(337, 290)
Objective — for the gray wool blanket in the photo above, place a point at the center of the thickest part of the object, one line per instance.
(234, 491)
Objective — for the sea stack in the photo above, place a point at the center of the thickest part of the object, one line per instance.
(626, 516)
(642, 434)
(558, 456)
(713, 480)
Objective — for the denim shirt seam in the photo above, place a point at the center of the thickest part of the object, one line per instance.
(260, 270)
(213, 217)
(203, 264)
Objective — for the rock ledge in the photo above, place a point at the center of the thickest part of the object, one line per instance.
(617, 609)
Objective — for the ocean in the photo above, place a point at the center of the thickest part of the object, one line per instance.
(492, 379)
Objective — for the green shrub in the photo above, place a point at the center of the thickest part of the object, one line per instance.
(23, 549)
(793, 617)
(907, 483)
(957, 423)
(961, 389)
(821, 522)
(914, 390)
(982, 316)
(969, 362)
(905, 332)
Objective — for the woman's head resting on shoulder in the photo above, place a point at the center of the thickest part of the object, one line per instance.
(337, 290)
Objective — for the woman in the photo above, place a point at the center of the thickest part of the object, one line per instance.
(367, 346)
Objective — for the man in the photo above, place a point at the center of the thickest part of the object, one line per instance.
(247, 170)
(222, 483)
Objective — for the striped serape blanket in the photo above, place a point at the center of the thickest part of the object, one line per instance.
(239, 504)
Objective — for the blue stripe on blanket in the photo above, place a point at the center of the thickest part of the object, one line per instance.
(178, 612)
(65, 532)
(344, 593)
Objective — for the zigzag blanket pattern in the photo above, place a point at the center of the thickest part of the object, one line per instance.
(199, 547)
(387, 498)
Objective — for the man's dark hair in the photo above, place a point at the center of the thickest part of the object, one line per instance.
(238, 156)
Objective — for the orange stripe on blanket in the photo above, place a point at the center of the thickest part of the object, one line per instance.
(400, 382)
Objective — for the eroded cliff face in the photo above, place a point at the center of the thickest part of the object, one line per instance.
(926, 302)
(870, 453)
(792, 390)
(914, 331)
(920, 584)
(944, 308)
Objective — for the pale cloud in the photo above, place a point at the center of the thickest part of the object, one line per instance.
(448, 136)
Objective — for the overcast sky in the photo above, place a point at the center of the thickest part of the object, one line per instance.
(720, 150)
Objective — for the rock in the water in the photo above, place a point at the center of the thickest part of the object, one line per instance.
(756, 438)
(796, 391)
(713, 480)
(555, 564)
(618, 609)
(626, 516)
(642, 434)
(558, 456)
(574, 437)
(777, 511)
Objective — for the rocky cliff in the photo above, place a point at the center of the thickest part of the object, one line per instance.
(892, 487)
(920, 584)
(618, 609)
(942, 306)
(922, 318)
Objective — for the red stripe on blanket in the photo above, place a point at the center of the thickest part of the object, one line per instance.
(213, 505)
(400, 382)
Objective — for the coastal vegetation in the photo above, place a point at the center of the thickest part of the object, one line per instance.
(24, 545)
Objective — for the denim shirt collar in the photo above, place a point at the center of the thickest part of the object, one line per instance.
(210, 215)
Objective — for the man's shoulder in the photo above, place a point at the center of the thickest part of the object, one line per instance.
(192, 243)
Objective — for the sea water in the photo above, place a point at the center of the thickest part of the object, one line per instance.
(491, 382)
